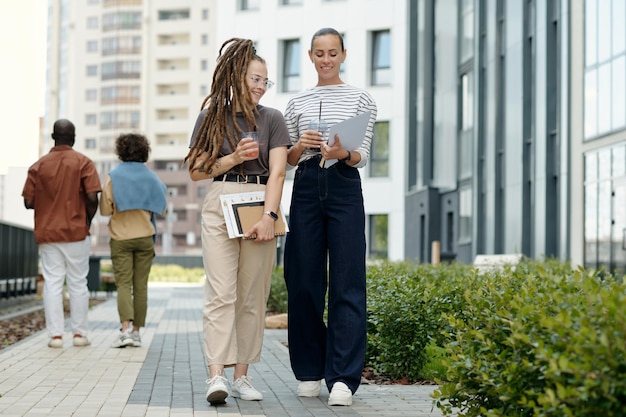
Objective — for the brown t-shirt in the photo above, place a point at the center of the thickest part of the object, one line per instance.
(58, 184)
(272, 132)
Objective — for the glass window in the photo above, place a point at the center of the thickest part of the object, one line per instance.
(591, 100)
(467, 101)
(121, 70)
(467, 29)
(290, 2)
(619, 162)
(604, 30)
(604, 164)
(92, 46)
(379, 155)
(591, 33)
(604, 98)
(205, 39)
(90, 143)
(179, 14)
(91, 94)
(291, 65)
(249, 4)
(591, 167)
(604, 222)
(92, 22)
(466, 137)
(92, 70)
(121, 94)
(591, 225)
(378, 236)
(90, 119)
(605, 71)
(121, 20)
(381, 58)
(465, 214)
(618, 90)
(619, 31)
(205, 14)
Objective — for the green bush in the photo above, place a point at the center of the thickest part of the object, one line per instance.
(543, 340)
(406, 304)
(277, 302)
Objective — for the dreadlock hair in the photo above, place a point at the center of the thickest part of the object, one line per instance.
(229, 93)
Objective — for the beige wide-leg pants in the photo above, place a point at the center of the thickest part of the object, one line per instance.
(238, 279)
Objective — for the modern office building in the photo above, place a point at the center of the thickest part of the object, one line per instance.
(488, 163)
(517, 129)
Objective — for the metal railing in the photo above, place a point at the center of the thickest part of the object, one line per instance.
(19, 261)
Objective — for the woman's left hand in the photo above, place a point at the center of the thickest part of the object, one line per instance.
(263, 230)
(336, 151)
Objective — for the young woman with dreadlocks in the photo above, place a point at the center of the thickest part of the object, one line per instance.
(238, 271)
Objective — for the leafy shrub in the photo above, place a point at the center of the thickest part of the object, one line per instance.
(277, 302)
(406, 303)
(543, 340)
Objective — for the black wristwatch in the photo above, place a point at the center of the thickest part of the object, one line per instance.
(271, 214)
(347, 158)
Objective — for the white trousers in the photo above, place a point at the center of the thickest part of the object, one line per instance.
(65, 262)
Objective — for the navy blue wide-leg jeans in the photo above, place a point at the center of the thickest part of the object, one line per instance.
(326, 233)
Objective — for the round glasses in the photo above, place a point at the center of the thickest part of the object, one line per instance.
(258, 80)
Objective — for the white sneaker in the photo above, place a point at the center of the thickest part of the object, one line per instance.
(340, 394)
(80, 340)
(218, 391)
(309, 388)
(242, 388)
(136, 338)
(123, 339)
(55, 342)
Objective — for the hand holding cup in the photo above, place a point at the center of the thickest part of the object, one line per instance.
(251, 151)
(321, 127)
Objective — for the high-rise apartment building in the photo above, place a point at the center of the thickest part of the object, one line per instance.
(134, 65)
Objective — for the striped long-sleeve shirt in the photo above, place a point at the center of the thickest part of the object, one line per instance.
(339, 102)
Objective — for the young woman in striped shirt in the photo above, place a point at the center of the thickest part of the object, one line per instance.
(326, 241)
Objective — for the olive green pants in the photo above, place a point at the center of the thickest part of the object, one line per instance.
(132, 260)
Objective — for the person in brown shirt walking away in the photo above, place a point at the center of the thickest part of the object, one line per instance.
(62, 187)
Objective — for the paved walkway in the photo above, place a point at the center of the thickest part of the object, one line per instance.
(166, 377)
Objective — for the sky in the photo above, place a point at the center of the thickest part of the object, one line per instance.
(22, 80)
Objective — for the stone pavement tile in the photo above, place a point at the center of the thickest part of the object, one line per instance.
(166, 377)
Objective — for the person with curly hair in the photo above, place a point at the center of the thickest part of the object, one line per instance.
(133, 196)
(238, 271)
